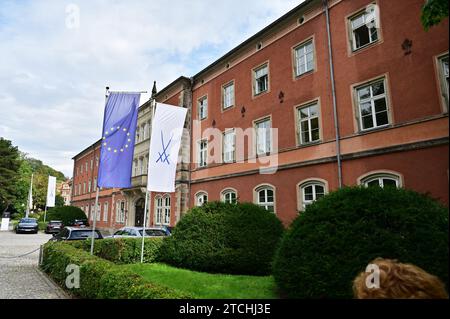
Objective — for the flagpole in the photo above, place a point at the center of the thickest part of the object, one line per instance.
(144, 224)
(148, 202)
(95, 220)
(96, 195)
(45, 213)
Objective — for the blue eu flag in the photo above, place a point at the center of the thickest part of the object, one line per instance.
(119, 127)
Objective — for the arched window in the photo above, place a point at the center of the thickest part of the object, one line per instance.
(167, 210)
(229, 196)
(201, 199)
(381, 180)
(159, 203)
(310, 192)
(265, 197)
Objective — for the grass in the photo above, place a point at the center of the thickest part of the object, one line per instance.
(208, 286)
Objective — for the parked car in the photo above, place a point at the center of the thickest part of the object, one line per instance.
(54, 227)
(27, 225)
(134, 232)
(75, 233)
(80, 223)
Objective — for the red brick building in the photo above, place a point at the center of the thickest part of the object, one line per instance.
(111, 204)
(348, 93)
(391, 99)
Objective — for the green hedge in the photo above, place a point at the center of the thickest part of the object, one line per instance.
(224, 238)
(123, 250)
(66, 214)
(99, 278)
(42, 225)
(337, 236)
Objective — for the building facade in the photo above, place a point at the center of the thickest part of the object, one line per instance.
(334, 93)
(65, 190)
(112, 210)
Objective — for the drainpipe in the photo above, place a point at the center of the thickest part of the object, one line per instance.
(333, 90)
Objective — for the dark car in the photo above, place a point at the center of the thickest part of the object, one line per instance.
(80, 223)
(74, 233)
(54, 227)
(27, 225)
(135, 232)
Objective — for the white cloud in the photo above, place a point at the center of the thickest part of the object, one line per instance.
(52, 78)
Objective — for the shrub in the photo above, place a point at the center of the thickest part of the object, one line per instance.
(100, 278)
(66, 214)
(42, 225)
(224, 238)
(337, 236)
(123, 250)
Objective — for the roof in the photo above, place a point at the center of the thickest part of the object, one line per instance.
(87, 149)
(255, 37)
(167, 87)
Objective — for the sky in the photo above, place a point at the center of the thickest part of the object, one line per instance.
(57, 57)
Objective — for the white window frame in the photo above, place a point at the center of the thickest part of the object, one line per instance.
(202, 104)
(226, 196)
(202, 154)
(159, 210)
(365, 15)
(201, 198)
(105, 211)
(314, 184)
(381, 177)
(309, 120)
(99, 212)
(372, 100)
(229, 147)
(167, 210)
(261, 72)
(228, 95)
(301, 54)
(266, 134)
(266, 204)
(444, 78)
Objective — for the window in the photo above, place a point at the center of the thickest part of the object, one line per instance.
(81, 169)
(443, 70)
(167, 210)
(308, 117)
(146, 131)
(95, 184)
(229, 143)
(265, 198)
(91, 217)
(228, 95)
(159, 210)
(202, 153)
(138, 134)
(79, 189)
(89, 186)
(364, 29)
(105, 211)
(261, 79)
(96, 161)
(120, 212)
(263, 137)
(78, 171)
(203, 108)
(381, 180)
(92, 164)
(84, 188)
(310, 192)
(304, 58)
(200, 199)
(141, 166)
(372, 104)
(135, 164)
(229, 196)
(86, 165)
(99, 211)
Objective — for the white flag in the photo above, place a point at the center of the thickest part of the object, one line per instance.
(51, 190)
(167, 131)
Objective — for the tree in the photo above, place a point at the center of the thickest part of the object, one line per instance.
(9, 171)
(22, 186)
(433, 12)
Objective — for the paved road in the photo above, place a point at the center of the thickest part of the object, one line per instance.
(20, 278)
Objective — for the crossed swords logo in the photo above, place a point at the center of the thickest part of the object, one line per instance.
(164, 157)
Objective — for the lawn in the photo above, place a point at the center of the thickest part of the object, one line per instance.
(208, 286)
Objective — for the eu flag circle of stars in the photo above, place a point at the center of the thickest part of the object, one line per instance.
(116, 150)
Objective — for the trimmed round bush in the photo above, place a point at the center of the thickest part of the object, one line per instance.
(224, 238)
(337, 236)
(66, 214)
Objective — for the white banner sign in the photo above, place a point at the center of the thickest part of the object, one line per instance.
(167, 131)
(51, 191)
